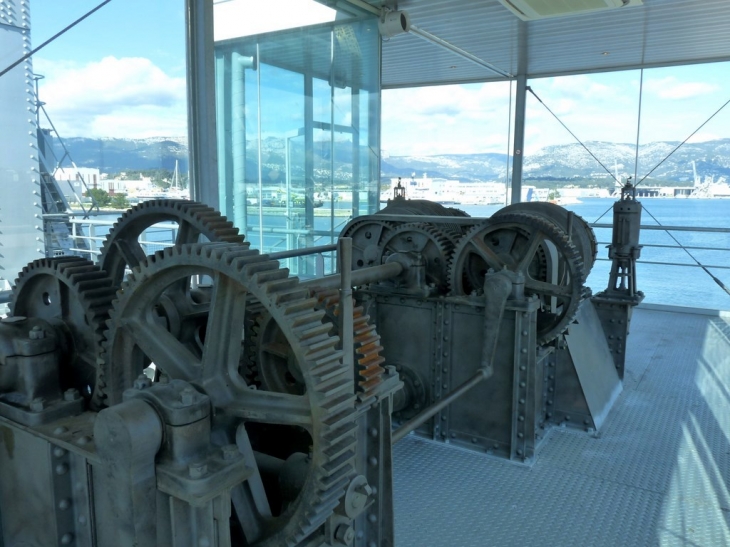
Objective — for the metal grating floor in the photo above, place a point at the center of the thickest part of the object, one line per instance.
(657, 474)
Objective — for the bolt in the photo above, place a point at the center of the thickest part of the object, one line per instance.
(187, 396)
(230, 451)
(142, 382)
(345, 534)
(36, 333)
(364, 489)
(71, 395)
(197, 470)
(37, 404)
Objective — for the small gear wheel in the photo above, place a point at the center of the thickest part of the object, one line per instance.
(420, 207)
(321, 418)
(533, 246)
(433, 245)
(367, 235)
(75, 295)
(122, 250)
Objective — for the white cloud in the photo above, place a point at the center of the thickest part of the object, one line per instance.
(114, 97)
(672, 89)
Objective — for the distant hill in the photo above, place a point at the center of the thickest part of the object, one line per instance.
(561, 162)
(115, 155)
(572, 161)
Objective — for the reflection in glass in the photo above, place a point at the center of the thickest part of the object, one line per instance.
(297, 118)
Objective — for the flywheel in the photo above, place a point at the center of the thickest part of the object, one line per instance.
(195, 221)
(315, 427)
(533, 246)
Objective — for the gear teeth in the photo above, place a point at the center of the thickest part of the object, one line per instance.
(433, 244)
(198, 218)
(87, 286)
(329, 387)
(549, 325)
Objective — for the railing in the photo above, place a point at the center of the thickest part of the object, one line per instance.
(655, 276)
(675, 272)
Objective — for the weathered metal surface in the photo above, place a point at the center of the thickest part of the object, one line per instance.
(593, 363)
(267, 418)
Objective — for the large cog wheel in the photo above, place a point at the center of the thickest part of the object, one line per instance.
(431, 243)
(75, 295)
(121, 249)
(584, 237)
(529, 245)
(325, 410)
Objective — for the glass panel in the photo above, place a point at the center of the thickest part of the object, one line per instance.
(298, 114)
(666, 129)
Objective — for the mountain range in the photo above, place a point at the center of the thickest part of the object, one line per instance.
(565, 162)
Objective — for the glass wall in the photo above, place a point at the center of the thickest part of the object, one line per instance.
(298, 133)
(667, 130)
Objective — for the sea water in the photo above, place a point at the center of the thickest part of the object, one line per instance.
(677, 280)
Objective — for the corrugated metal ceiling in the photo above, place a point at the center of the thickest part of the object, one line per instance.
(657, 33)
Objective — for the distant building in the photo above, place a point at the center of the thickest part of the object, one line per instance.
(75, 181)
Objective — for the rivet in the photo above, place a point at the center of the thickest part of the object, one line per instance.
(59, 452)
(66, 539)
(372, 460)
(83, 440)
(61, 469)
(64, 504)
(372, 517)
(60, 430)
(522, 384)
(373, 432)
(520, 435)
(523, 367)
(524, 333)
(524, 350)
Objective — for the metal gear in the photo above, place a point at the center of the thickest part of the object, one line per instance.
(585, 238)
(367, 235)
(325, 410)
(75, 295)
(516, 241)
(271, 360)
(431, 243)
(421, 207)
(122, 250)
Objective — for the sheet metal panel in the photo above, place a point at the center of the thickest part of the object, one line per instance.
(660, 32)
(21, 225)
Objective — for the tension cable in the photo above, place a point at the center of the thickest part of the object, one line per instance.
(684, 141)
(718, 281)
(51, 39)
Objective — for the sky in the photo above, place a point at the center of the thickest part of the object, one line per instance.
(121, 73)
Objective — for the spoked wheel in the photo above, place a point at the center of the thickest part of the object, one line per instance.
(534, 247)
(196, 222)
(313, 444)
